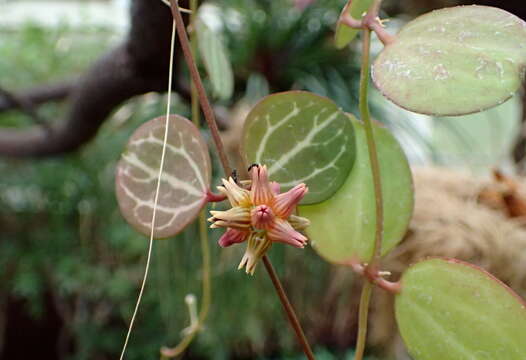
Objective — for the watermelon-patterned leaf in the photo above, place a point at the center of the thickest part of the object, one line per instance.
(184, 183)
(454, 61)
(302, 138)
(448, 310)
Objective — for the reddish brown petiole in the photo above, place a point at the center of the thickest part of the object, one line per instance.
(370, 21)
(374, 276)
(211, 197)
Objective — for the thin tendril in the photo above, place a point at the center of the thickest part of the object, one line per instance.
(157, 190)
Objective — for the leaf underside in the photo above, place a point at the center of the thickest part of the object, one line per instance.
(450, 310)
(302, 138)
(184, 182)
(344, 34)
(343, 227)
(454, 61)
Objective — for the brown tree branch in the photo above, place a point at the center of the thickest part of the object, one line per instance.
(137, 66)
(37, 95)
(197, 82)
(24, 105)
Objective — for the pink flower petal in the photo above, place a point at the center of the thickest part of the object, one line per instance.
(275, 187)
(260, 191)
(284, 204)
(232, 236)
(262, 217)
(282, 231)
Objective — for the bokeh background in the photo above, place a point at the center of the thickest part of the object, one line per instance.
(70, 267)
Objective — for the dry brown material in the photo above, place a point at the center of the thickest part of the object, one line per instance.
(453, 219)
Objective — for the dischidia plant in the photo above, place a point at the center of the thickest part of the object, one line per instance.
(318, 175)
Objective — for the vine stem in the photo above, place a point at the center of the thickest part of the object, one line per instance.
(291, 315)
(371, 146)
(193, 43)
(211, 121)
(373, 267)
(363, 315)
(196, 79)
(371, 20)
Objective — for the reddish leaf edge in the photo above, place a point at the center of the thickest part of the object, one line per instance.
(208, 196)
(386, 94)
(472, 266)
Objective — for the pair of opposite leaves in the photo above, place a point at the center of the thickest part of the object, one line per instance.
(464, 52)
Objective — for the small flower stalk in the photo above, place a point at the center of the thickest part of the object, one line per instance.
(260, 216)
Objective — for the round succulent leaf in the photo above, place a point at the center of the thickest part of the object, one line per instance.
(454, 61)
(344, 34)
(450, 310)
(302, 138)
(184, 181)
(343, 227)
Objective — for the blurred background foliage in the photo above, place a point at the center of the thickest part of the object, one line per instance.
(71, 266)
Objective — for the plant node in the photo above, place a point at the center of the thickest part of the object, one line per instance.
(371, 21)
(374, 276)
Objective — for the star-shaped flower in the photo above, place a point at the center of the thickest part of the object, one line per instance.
(260, 216)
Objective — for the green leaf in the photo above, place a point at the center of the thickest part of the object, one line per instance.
(450, 310)
(343, 227)
(478, 141)
(302, 138)
(184, 182)
(257, 87)
(214, 56)
(344, 34)
(454, 61)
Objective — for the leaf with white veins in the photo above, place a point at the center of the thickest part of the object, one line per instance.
(184, 183)
(302, 138)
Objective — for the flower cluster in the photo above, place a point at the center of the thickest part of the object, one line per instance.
(260, 216)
